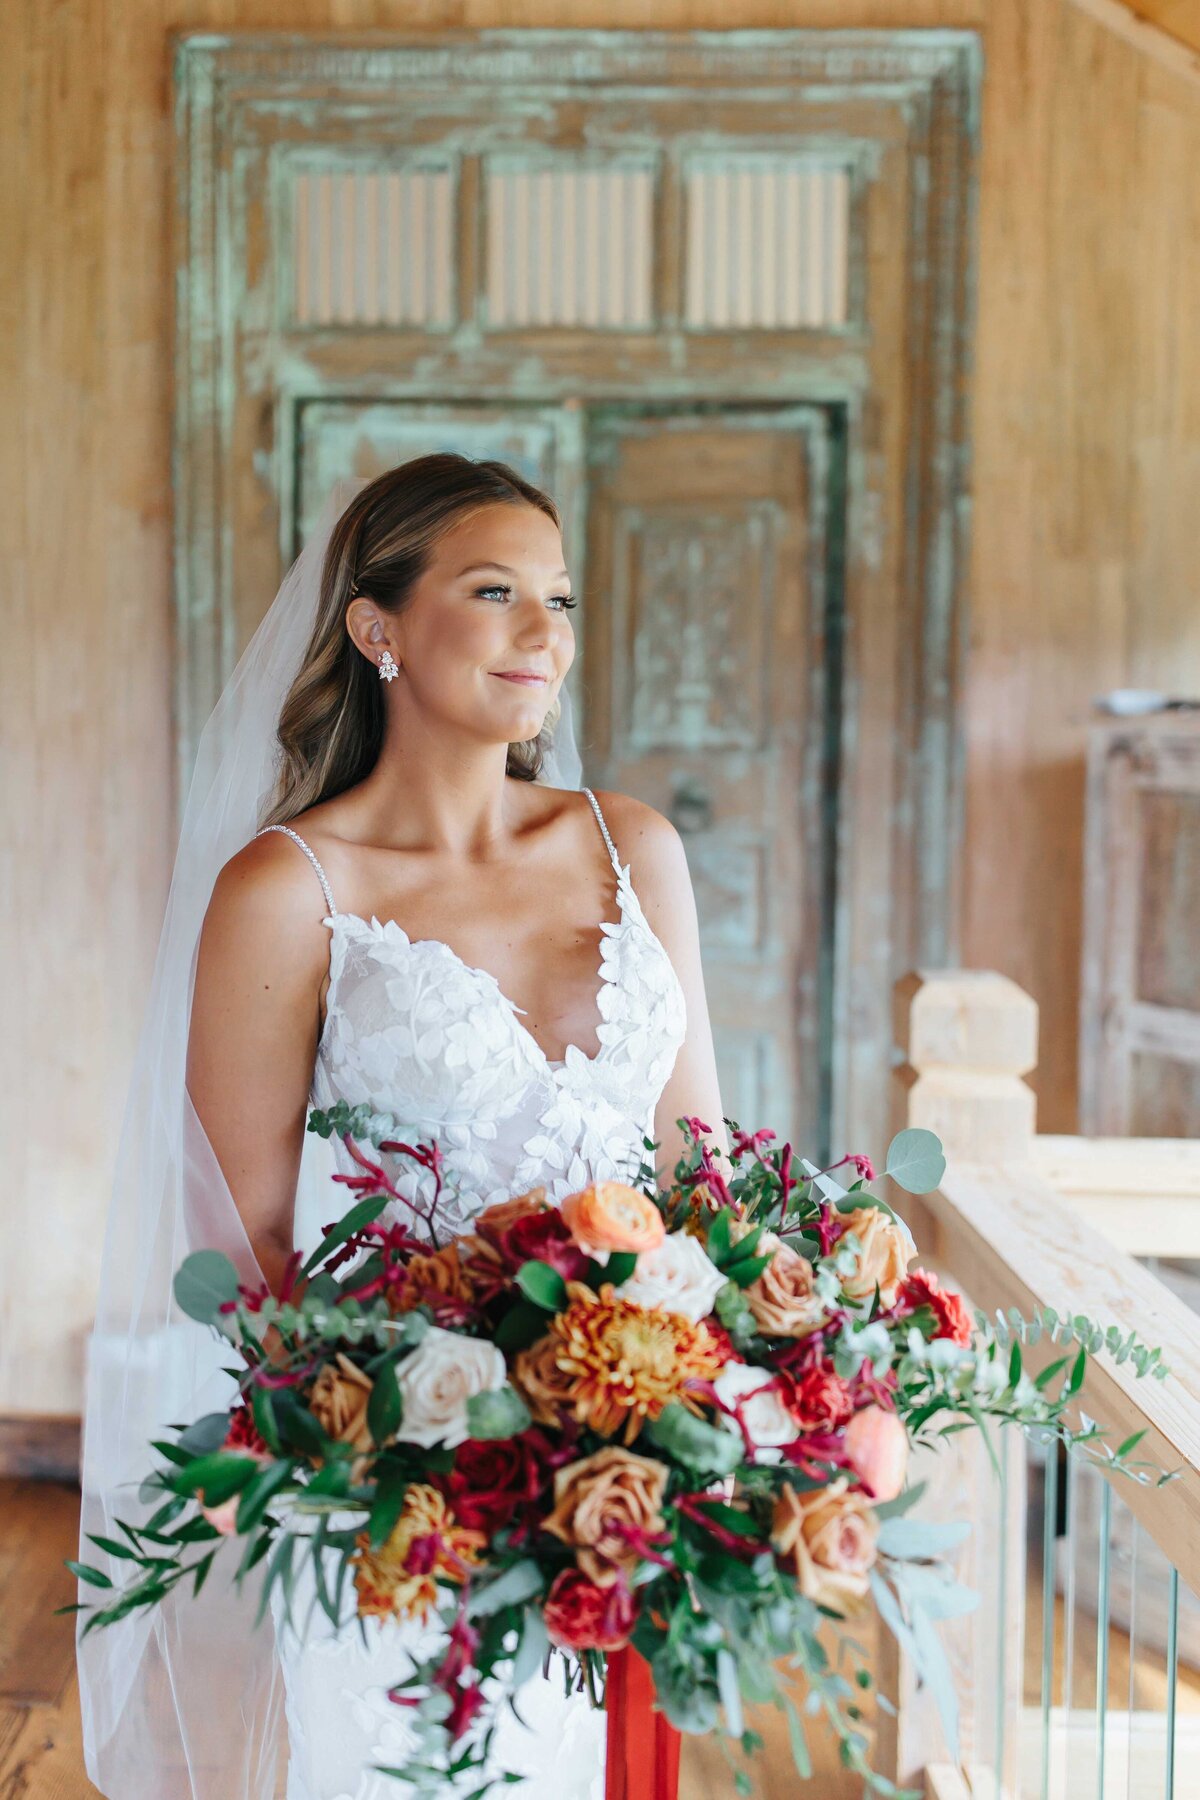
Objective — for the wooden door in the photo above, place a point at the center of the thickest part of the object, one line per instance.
(704, 695)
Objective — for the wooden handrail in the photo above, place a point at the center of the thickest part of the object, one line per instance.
(1142, 1193)
(1000, 1229)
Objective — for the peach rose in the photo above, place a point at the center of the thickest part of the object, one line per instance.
(608, 1216)
(877, 1446)
(827, 1539)
(883, 1258)
(548, 1389)
(602, 1503)
(338, 1403)
(782, 1298)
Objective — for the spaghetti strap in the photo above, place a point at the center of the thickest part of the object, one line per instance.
(612, 848)
(297, 839)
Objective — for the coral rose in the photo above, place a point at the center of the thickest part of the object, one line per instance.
(338, 1402)
(606, 1506)
(242, 1439)
(583, 1616)
(883, 1255)
(400, 1578)
(877, 1446)
(782, 1298)
(827, 1539)
(609, 1216)
(953, 1319)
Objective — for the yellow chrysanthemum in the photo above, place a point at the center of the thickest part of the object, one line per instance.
(627, 1362)
(400, 1577)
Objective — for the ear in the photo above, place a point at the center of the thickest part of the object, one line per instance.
(369, 629)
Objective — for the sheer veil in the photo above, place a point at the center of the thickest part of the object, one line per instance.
(185, 1702)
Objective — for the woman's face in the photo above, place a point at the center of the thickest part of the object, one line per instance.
(490, 604)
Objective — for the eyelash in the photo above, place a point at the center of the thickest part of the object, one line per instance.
(568, 601)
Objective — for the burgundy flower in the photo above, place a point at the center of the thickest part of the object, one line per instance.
(493, 1481)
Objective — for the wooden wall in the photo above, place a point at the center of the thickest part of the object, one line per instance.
(1086, 498)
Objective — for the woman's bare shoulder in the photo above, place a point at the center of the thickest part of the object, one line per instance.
(648, 841)
(268, 885)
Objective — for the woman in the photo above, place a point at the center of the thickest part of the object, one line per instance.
(412, 871)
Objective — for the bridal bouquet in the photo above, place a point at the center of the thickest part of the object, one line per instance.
(674, 1419)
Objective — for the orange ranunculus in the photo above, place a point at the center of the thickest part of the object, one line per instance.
(610, 1216)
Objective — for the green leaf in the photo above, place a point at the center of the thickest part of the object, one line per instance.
(543, 1285)
(1077, 1372)
(365, 1212)
(85, 1572)
(206, 1435)
(921, 1537)
(618, 1268)
(113, 1548)
(263, 1409)
(915, 1161)
(521, 1326)
(518, 1583)
(218, 1477)
(743, 1273)
(1131, 1443)
(385, 1407)
(694, 1442)
(499, 1413)
(731, 1694)
(1042, 1380)
(391, 1487)
(206, 1280)
(730, 1518)
(800, 1755)
(258, 1496)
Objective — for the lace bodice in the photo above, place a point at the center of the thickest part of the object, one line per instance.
(417, 1032)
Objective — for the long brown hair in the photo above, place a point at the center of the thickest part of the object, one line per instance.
(331, 724)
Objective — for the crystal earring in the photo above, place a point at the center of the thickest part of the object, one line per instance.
(388, 667)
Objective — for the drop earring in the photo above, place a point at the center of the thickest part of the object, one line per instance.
(388, 667)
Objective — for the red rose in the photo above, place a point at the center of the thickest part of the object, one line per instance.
(493, 1480)
(949, 1309)
(581, 1616)
(819, 1399)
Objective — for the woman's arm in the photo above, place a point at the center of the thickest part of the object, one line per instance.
(255, 1018)
(658, 866)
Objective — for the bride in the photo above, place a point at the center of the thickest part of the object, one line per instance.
(397, 894)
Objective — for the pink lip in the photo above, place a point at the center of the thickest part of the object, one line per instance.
(528, 680)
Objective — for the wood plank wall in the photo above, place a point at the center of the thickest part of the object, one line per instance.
(1086, 498)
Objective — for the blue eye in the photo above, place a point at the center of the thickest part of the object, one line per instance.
(563, 601)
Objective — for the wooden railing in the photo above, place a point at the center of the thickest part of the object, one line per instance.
(1028, 1222)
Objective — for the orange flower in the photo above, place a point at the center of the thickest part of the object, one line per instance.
(438, 1280)
(544, 1383)
(392, 1581)
(606, 1507)
(610, 1216)
(626, 1362)
(827, 1539)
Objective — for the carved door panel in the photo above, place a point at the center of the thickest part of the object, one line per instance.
(703, 696)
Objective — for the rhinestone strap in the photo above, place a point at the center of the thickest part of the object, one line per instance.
(612, 848)
(297, 839)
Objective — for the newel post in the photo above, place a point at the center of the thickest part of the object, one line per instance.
(967, 1040)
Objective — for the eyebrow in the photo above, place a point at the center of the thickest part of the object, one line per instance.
(503, 567)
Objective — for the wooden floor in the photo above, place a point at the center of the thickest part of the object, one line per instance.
(40, 1754)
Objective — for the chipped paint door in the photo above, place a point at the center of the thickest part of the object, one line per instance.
(703, 689)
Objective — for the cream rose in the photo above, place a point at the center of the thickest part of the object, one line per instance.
(438, 1379)
(767, 1419)
(827, 1538)
(885, 1253)
(677, 1277)
(783, 1299)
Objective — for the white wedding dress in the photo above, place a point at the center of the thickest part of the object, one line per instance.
(418, 1033)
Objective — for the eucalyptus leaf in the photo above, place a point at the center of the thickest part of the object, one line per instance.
(205, 1281)
(498, 1413)
(915, 1160)
(206, 1435)
(694, 1442)
(731, 1695)
(518, 1583)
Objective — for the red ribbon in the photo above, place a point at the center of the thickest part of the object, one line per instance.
(642, 1761)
